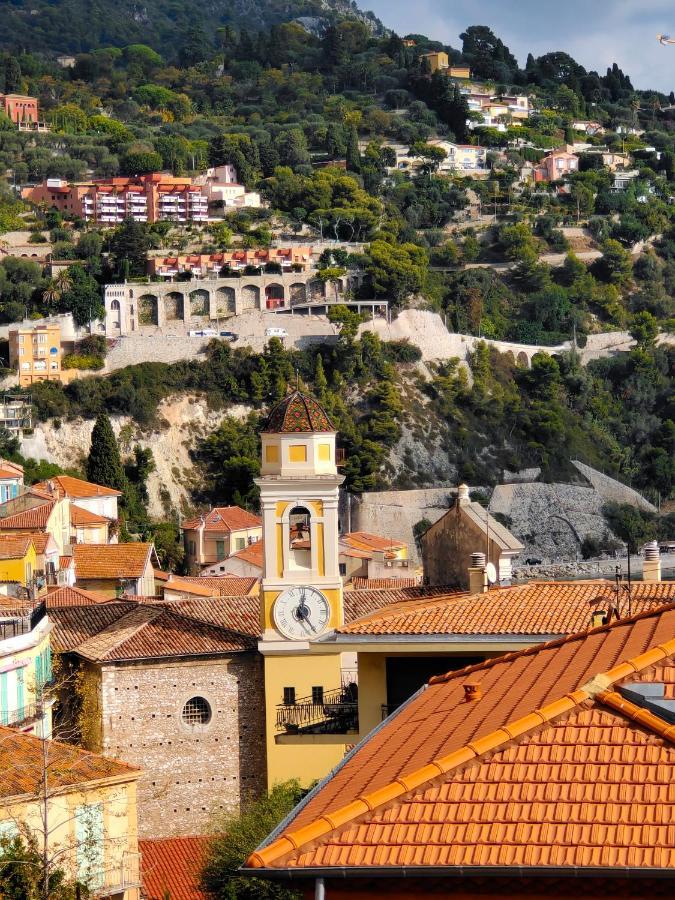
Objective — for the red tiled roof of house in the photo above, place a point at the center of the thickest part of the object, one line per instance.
(252, 554)
(81, 516)
(170, 867)
(541, 608)
(73, 596)
(111, 560)
(547, 766)
(380, 584)
(225, 519)
(156, 632)
(364, 540)
(40, 539)
(66, 562)
(211, 586)
(72, 625)
(361, 603)
(240, 613)
(8, 473)
(14, 547)
(76, 488)
(22, 765)
(37, 517)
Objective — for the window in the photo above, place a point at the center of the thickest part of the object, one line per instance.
(89, 837)
(220, 549)
(317, 695)
(192, 548)
(289, 696)
(196, 712)
(343, 568)
(239, 544)
(300, 538)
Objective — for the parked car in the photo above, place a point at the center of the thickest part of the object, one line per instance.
(532, 561)
(194, 334)
(229, 335)
(209, 332)
(276, 332)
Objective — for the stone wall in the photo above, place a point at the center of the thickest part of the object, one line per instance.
(447, 547)
(190, 774)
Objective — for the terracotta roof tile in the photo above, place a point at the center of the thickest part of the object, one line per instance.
(545, 768)
(155, 632)
(73, 596)
(22, 765)
(14, 547)
(37, 517)
(40, 539)
(542, 608)
(111, 560)
(171, 867)
(81, 516)
(211, 586)
(252, 554)
(364, 540)
(240, 613)
(379, 584)
(225, 519)
(361, 603)
(72, 625)
(76, 488)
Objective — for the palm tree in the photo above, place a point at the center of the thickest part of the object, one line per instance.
(51, 293)
(63, 281)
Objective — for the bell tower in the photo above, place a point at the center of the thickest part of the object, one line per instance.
(301, 589)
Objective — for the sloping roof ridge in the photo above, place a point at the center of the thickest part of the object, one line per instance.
(147, 613)
(167, 608)
(637, 714)
(393, 792)
(556, 642)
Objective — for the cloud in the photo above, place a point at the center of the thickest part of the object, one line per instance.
(596, 33)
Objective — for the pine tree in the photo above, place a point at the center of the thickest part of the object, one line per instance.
(320, 381)
(353, 153)
(104, 465)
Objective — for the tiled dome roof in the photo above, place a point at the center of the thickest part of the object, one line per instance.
(298, 413)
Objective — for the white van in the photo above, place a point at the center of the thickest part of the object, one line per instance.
(276, 332)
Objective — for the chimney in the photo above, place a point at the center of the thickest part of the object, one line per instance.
(651, 562)
(472, 691)
(478, 583)
(463, 494)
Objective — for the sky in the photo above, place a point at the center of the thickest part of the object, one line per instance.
(595, 32)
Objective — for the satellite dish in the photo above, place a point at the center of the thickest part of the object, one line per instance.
(491, 573)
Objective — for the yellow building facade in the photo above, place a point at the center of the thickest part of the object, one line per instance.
(18, 559)
(35, 352)
(87, 814)
(301, 589)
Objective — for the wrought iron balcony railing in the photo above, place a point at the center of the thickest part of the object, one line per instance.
(337, 713)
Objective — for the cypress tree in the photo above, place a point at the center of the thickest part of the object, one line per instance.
(353, 153)
(320, 380)
(104, 465)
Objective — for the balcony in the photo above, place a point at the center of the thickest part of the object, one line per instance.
(23, 622)
(121, 878)
(24, 715)
(337, 713)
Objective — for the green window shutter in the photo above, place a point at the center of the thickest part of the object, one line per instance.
(89, 838)
(4, 699)
(20, 692)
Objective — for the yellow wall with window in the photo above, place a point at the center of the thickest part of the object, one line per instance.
(20, 569)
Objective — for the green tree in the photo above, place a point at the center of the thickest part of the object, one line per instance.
(22, 874)
(104, 465)
(633, 526)
(129, 245)
(140, 162)
(615, 265)
(83, 297)
(353, 154)
(237, 837)
(320, 380)
(644, 329)
(396, 270)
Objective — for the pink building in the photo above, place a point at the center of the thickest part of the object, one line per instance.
(556, 165)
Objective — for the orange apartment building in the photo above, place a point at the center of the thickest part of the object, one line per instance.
(202, 265)
(23, 111)
(36, 353)
(144, 198)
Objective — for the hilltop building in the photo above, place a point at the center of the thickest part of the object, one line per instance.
(556, 165)
(213, 537)
(35, 353)
(23, 111)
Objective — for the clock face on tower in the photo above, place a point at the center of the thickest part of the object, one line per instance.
(301, 613)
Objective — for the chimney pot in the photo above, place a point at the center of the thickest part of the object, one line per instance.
(472, 691)
(463, 493)
(651, 562)
(478, 583)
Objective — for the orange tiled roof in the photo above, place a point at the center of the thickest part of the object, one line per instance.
(73, 596)
(364, 540)
(72, 625)
(37, 517)
(22, 765)
(40, 539)
(76, 488)
(546, 768)
(14, 547)
(380, 584)
(239, 613)
(156, 632)
(81, 516)
(8, 473)
(361, 603)
(225, 585)
(170, 867)
(225, 519)
(252, 554)
(111, 560)
(542, 608)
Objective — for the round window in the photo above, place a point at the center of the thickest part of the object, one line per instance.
(197, 712)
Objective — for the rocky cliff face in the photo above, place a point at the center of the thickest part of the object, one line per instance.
(182, 421)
